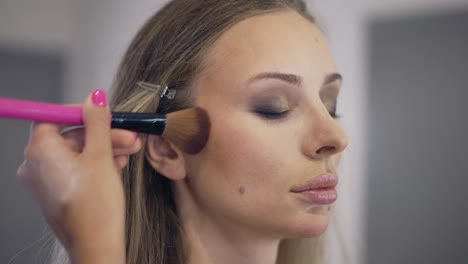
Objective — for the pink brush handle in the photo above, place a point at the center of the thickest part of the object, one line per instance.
(41, 112)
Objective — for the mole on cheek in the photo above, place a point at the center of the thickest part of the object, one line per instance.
(241, 190)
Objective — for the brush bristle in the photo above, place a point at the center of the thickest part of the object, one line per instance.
(188, 129)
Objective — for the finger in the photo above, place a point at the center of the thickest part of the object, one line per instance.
(122, 139)
(45, 137)
(124, 142)
(74, 139)
(75, 144)
(134, 148)
(41, 131)
(30, 181)
(120, 161)
(96, 117)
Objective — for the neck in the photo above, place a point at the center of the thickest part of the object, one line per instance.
(209, 244)
(210, 240)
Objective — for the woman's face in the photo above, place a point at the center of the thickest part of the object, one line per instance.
(270, 88)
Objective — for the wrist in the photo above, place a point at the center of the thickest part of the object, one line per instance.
(101, 246)
(109, 249)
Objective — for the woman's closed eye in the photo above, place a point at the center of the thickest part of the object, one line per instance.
(332, 112)
(271, 112)
(331, 107)
(274, 105)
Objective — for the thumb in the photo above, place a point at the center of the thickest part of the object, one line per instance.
(96, 118)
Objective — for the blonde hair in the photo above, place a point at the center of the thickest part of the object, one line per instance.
(170, 50)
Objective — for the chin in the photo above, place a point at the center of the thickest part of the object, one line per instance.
(313, 224)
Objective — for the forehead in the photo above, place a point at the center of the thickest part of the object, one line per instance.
(282, 41)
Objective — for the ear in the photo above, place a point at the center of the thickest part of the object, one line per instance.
(165, 158)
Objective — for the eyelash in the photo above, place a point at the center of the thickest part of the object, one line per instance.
(274, 114)
(333, 114)
(271, 114)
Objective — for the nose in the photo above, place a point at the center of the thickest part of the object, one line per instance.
(325, 137)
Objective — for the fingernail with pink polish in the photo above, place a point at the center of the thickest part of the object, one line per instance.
(99, 98)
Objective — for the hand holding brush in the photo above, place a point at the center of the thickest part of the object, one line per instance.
(79, 190)
(188, 129)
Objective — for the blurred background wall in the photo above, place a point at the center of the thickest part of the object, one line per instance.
(417, 127)
(86, 39)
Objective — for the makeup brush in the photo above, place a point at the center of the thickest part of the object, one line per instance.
(188, 129)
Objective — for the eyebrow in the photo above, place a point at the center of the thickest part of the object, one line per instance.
(292, 78)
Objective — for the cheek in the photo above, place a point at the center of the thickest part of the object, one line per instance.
(241, 172)
(241, 153)
(242, 160)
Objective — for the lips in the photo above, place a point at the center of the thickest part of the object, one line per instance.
(319, 190)
(320, 182)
